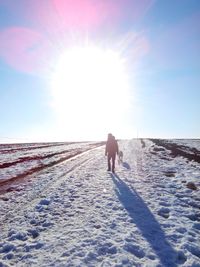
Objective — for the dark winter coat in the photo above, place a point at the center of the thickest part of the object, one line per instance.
(111, 146)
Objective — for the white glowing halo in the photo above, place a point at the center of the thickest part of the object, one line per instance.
(90, 89)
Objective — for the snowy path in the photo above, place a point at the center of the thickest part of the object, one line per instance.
(77, 214)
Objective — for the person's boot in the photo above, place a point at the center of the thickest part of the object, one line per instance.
(109, 166)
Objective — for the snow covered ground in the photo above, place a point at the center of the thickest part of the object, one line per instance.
(74, 213)
(193, 143)
(19, 160)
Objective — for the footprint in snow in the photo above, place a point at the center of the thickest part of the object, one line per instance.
(181, 230)
(8, 256)
(42, 205)
(169, 173)
(107, 248)
(44, 201)
(34, 233)
(7, 247)
(17, 236)
(135, 250)
(165, 204)
(196, 226)
(164, 212)
(181, 257)
(97, 226)
(194, 217)
(194, 250)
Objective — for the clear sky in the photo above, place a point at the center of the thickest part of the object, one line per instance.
(78, 69)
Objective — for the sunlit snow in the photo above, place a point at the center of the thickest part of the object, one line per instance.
(72, 212)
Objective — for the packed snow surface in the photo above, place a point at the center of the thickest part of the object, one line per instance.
(75, 213)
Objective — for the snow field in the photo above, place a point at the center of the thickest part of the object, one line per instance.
(77, 214)
(25, 159)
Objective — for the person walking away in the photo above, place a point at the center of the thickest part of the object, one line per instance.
(111, 151)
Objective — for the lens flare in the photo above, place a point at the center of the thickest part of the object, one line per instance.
(90, 91)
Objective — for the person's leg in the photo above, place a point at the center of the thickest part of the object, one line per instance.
(109, 158)
(113, 163)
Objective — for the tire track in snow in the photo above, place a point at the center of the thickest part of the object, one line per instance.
(7, 183)
(43, 185)
(36, 157)
(29, 147)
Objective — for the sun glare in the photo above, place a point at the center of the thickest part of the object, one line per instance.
(90, 91)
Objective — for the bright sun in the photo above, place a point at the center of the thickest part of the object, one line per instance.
(90, 91)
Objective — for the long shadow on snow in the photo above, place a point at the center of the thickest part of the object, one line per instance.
(146, 222)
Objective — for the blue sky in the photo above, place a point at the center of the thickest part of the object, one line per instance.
(158, 40)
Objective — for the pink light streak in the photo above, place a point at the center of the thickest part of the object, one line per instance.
(23, 49)
(55, 24)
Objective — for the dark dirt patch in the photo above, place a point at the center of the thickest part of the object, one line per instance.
(178, 150)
